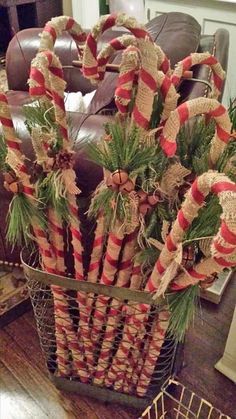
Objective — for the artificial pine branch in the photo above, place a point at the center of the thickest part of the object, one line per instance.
(182, 306)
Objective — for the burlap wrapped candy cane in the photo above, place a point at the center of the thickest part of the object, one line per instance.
(201, 58)
(55, 27)
(57, 86)
(192, 108)
(223, 248)
(115, 310)
(65, 336)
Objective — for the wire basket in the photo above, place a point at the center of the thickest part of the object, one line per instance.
(178, 402)
(80, 374)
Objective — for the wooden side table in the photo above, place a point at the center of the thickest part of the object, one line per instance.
(32, 12)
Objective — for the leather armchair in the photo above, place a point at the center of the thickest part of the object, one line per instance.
(178, 34)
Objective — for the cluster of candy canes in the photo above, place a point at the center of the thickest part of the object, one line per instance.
(143, 63)
(66, 338)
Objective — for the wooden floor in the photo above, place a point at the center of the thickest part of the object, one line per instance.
(27, 393)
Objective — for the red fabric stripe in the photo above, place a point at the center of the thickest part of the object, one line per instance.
(150, 285)
(70, 23)
(123, 93)
(76, 233)
(64, 132)
(170, 244)
(196, 274)
(78, 256)
(122, 108)
(124, 265)
(222, 249)
(37, 91)
(187, 63)
(23, 169)
(58, 100)
(148, 80)
(116, 44)
(109, 22)
(136, 270)
(98, 241)
(175, 80)
(39, 233)
(140, 33)
(218, 81)
(130, 237)
(92, 44)
(223, 186)
(90, 71)
(115, 239)
(223, 262)
(219, 111)
(183, 222)
(73, 210)
(28, 190)
(227, 235)
(78, 276)
(105, 280)
(49, 56)
(56, 228)
(110, 260)
(102, 61)
(93, 266)
(210, 60)
(6, 122)
(165, 87)
(79, 38)
(223, 135)
(169, 147)
(13, 144)
(139, 118)
(45, 252)
(37, 76)
(165, 65)
(127, 77)
(159, 267)
(3, 98)
(57, 72)
(183, 112)
(58, 252)
(52, 32)
(196, 194)
(50, 270)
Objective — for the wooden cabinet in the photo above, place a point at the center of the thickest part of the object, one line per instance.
(30, 13)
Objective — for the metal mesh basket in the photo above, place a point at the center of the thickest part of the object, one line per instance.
(72, 363)
(177, 401)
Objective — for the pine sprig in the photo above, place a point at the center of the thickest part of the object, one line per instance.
(182, 306)
(123, 151)
(51, 193)
(22, 213)
(3, 154)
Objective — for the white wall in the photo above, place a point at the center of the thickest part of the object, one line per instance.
(211, 14)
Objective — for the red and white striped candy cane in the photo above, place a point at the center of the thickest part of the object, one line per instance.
(55, 27)
(192, 108)
(115, 310)
(65, 336)
(90, 62)
(129, 66)
(201, 58)
(110, 266)
(223, 247)
(57, 86)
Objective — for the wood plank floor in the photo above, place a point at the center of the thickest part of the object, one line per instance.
(27, 393)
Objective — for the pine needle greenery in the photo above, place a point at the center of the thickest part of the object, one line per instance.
(193, 144)
(3, 154)
(208, 221)
(52, 194)
(124, 150)
(182, 306)
(232, 113)
(40, 114)
(22, 213)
